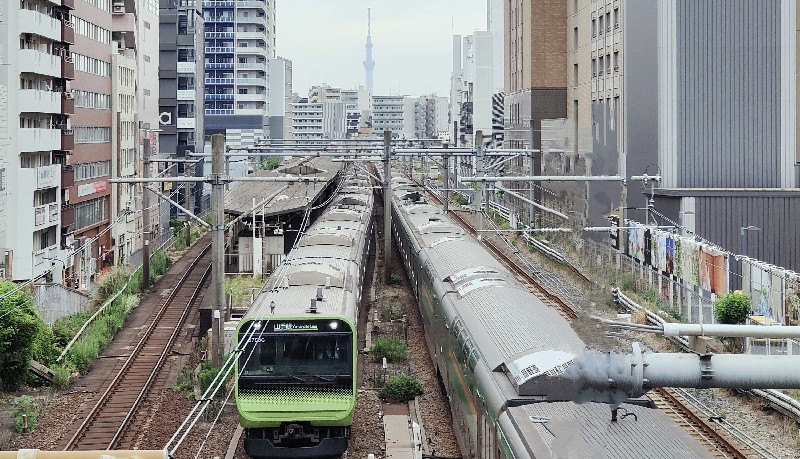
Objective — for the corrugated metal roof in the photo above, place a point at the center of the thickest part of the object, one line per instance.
(240, 199)
(573, 430)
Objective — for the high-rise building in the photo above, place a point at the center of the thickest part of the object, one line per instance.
(181, 90)
(240, 38)
(36, 70)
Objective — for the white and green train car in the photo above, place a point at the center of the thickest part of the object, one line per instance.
(296, 384)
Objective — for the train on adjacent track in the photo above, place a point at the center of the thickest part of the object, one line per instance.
(296, 384)
(488, 336)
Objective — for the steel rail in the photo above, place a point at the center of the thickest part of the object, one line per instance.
(92, 416)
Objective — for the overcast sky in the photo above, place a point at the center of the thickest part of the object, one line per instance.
(412, 42)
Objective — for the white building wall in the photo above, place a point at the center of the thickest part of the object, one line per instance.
(483, 86)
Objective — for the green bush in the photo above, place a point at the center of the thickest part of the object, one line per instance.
(268, 164)
(401, 389)
(25, 406)
(185, 381)
(62, 375)
(391, 347)
(459, 199)
(65, 328)
(207, 374)
(23, 336)
(732, 308)
(396, 279)
(628, 282)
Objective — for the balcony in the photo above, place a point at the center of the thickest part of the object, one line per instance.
(33, 61)
(222, 18)
(186, 123)
(31, 21)
(252, 81)
(35, 139)
(251, 111)
(67, 177)
(38, 101)
(219, 34)
(67, 140)
(218, 3)
(262, 66)
(209, 81)
(68, 4)
(251, 97)
(219, 65)
(67, 219)
(251, 4)
(219, 96)
(187, 94)
(67, 104)
(125, 22)
(252, 19)
(219, 49)
(251, 35)
(67, 33)
(68, 70)
(187, 67)
(219, 111)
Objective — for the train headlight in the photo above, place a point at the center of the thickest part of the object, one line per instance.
(334, 325)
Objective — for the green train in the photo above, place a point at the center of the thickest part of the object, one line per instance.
(296, 383)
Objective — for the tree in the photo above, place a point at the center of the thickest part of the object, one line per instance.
(732, 308)
(268, 164)
(23, 336)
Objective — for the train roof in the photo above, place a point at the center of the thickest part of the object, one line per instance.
(585, 430)
(503, 318)
(323, 260)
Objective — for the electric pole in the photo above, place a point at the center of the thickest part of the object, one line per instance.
(217, 244)
(387, 207)
(146, 215)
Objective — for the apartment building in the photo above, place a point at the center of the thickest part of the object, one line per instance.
(358, 108)
(36, 107)
(426, 117)
(318, 120)
(239, 39)
(387, 115)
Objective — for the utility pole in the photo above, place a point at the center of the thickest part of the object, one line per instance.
(479, 171)
(187, 195)
(446, 159)
(217, 244)
(387, 207)
(146, 215)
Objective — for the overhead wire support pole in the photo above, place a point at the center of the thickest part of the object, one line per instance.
(546, 178)
(479, 170)
(387, 207)
(146, 228)
(217, 245)
(446, 190)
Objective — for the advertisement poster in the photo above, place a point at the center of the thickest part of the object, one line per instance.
(648, 247)
(713, 271)
(792, 303)
(669, 255)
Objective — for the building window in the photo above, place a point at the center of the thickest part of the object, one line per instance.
(616, 18)
(616, 61)
(185, 82)
(575, 38)
(608, 22)
(575, 75)
(86, 171)
(600, 25)
(90, 134)
(594, 27)
(91, 212)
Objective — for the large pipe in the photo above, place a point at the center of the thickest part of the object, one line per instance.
(751, 331)
(614, 377)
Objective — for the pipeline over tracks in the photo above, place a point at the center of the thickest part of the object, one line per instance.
(111, 415)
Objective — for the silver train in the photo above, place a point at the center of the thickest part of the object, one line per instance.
(296, 385)
(488, 334)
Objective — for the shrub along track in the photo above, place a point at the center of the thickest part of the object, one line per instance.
(126, 372)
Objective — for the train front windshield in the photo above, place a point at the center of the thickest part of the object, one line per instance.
(319, 358)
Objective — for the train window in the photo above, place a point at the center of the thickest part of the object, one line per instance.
(472, 359)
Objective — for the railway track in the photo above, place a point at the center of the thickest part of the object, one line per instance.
(114, 411)
(538, 289)
(673, 405)
(670, 402)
